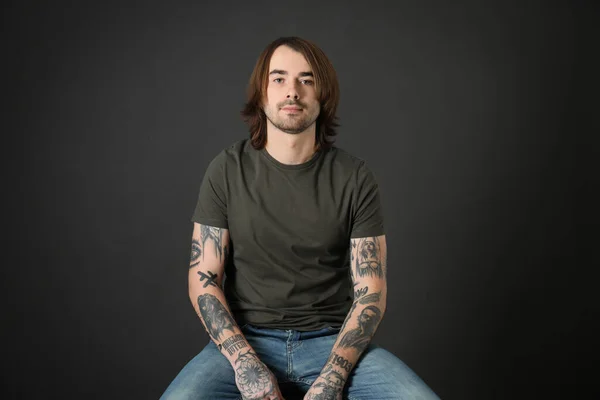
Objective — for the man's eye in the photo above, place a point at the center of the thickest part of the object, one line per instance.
(307, 82)
(277, 79)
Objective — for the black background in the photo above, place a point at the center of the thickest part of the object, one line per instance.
(465, 111)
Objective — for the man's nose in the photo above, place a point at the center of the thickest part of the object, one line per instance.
(293, 92)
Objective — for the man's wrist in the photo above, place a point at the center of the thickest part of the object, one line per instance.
(339, 364)
(233, 344)
(243, 353)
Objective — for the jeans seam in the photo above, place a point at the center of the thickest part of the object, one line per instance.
(298, 344)
(300, 380)
(289, 350)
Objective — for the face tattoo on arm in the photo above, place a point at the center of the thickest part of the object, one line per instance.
(368, 260)
(360, 337)
(215, 315)
(196, 253)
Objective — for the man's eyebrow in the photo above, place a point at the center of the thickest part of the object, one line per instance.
(282, 72)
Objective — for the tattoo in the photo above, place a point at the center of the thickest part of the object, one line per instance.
(368, 257)
(360, 337)
(214, 234)
(360, 292)
(330, 387)
(196, 253)
(215, 315)
(341, 361)
(234, 343)
(370, 298)
(252, 377)
(210, 278)
(365, 299)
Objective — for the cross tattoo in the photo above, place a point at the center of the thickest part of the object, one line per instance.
(210, 279)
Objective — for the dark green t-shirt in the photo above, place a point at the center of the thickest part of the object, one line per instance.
(290, 228)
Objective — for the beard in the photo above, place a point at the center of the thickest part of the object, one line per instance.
(292, 124)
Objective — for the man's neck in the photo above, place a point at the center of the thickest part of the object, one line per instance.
(291, 149)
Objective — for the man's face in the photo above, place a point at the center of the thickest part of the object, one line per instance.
(365, 319)
(370, 247)
(291, 104)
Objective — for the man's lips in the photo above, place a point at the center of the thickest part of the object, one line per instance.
(291, 108)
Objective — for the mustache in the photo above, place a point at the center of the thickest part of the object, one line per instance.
(291, 103)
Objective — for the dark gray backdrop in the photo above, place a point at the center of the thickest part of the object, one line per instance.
(461, 110)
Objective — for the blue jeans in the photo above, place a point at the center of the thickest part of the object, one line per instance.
(296, 359)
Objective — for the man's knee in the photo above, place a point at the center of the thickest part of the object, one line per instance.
(379, 374)
(207, 376)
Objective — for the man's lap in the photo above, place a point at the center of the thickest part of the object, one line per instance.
(378, 375)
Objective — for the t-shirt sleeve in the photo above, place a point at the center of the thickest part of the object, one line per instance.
(367, 216)
(211, 208)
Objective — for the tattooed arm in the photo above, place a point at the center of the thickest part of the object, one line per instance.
(207, 266)
(368, 263)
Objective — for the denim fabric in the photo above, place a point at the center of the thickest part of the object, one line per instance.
(296, 359)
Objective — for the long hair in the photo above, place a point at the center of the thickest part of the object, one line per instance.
(326, 85)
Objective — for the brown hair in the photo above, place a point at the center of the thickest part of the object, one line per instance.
(326, 84)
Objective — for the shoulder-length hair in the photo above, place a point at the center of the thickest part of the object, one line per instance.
(326, 85)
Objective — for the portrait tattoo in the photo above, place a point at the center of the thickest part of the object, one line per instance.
(210, 278)
(361, 296)
(368, 257)
(214, 234)
(215, 315)
(196, 253)
(360, 337)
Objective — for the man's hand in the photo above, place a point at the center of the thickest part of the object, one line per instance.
(254, 380)
(328, 386)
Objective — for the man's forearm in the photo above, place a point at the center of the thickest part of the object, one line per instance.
(211, 306)
(368, 257)
(356, 334)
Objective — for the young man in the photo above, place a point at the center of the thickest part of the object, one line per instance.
(288, 264)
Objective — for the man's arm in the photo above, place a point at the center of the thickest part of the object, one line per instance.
(368, 263)
(210, 249)
(205, 278)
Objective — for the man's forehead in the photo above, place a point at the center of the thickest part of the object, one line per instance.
(289, 61)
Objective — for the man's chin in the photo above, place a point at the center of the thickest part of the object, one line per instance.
(292, 131)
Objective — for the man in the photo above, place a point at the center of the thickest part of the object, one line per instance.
(285, 227)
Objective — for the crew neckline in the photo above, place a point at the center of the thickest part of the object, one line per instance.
(281, 165)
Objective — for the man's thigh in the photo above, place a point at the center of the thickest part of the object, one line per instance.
(381, 375)
(207, 376)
